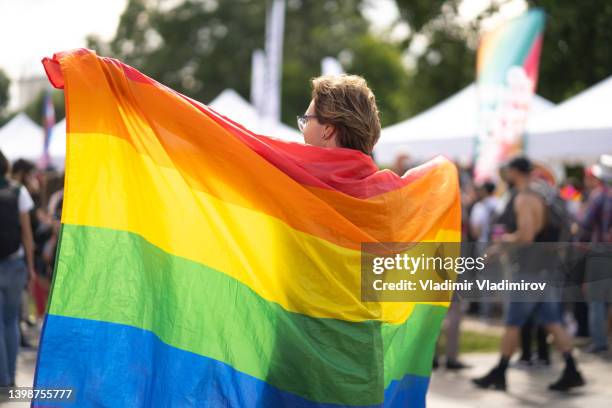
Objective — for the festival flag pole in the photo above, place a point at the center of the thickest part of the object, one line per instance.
(275, 30)
(48, 123)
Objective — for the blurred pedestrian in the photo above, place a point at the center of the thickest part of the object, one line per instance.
(403, 163)
(483, 213)
(452, 331)
(23, 173)
(16, 261)
(596, 227)
(527, 214)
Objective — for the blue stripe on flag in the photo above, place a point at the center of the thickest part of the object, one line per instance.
(115, 365)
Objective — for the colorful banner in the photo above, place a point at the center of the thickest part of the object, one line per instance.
(48, 123)
(203, 265)
(507, 74)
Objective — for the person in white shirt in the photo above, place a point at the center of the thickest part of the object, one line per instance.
(483, 212)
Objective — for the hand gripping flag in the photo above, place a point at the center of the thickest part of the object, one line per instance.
(203, 265)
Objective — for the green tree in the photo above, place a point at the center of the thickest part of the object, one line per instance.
(419, 13)
(380, 62)
(5, 84)
(443, 69)
(35, 108)
(197, 48)
(574, 56)
(575, 52)
(202, 47)
(447, 64)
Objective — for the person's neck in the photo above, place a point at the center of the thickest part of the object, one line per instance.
(521, 184)
(331, 142)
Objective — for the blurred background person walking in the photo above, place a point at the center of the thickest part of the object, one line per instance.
(596, 228)
(16, 262)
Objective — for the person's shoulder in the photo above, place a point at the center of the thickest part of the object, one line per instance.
(25, 201)
(22, 190)
(491, 201)
(478, 207)
(527, 197)
(15, 187)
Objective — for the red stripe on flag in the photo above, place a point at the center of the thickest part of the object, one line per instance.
(533, 60)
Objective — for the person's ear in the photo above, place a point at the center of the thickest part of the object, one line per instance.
(329, 132)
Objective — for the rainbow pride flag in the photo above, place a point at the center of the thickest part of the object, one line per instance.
(203, 265)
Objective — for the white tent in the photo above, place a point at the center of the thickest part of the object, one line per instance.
(229, 103)
(21, 138)
(57, 144)
(577, 130)
(448, 128)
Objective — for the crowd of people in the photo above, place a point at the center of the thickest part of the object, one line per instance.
(30, 212)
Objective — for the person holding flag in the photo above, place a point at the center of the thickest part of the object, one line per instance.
(202, 264)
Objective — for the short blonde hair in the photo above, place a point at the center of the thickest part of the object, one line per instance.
(346, 102)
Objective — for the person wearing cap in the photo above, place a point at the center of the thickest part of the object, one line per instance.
(525, 222)
(596, 227)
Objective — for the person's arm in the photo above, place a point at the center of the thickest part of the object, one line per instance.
(25, 204)
(525, 207)
(28, 241)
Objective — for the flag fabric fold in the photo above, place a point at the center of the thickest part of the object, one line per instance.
(201, 264)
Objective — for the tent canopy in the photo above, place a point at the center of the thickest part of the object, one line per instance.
(448, 128)
(57, 145)
(579, 129)
(21, 138)
(589, 109)
(230, 104)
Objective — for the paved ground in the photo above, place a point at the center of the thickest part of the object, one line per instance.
(527, 388)
(26, 362)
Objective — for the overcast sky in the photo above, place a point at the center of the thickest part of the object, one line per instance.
(33, 29)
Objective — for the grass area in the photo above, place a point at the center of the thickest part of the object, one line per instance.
(474, 342)
(471, 342)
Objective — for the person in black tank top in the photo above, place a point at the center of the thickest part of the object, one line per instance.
(508, 219)
(525, 223)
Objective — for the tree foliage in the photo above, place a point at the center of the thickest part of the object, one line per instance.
(576, 52)
(574, 56)
(202, 47)
(381, 64)
(35, 108)
(5, 84)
